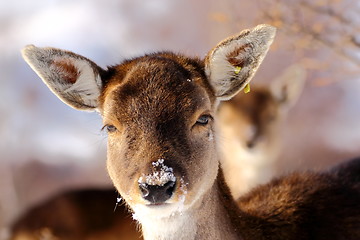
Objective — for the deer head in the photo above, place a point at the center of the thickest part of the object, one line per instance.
(160, 112)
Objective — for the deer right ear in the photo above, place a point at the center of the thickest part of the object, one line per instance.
(288, 87)
(234, 61)
(71, 77)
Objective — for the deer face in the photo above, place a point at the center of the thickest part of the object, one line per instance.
(159, 118)
(159, 111)
(251, 119)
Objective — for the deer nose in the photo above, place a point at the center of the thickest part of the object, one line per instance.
(157, 194)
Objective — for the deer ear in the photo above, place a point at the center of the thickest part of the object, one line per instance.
(234, 61)
(71, 77)
(288, 87)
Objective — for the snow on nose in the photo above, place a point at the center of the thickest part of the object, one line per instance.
(161, 174)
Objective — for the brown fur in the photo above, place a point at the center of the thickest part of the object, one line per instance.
(77, 215)
(70, 72)
(305, 206)
(233, 56)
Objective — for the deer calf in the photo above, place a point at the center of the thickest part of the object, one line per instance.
(250, 127)
(160, 113)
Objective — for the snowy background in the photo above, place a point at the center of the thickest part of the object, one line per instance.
(46, 146)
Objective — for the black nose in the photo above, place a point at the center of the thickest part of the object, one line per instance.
(250, 144)
(157, 194)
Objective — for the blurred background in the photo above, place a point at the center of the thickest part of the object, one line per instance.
(47, 147)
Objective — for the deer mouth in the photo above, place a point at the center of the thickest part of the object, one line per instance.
(157, 205)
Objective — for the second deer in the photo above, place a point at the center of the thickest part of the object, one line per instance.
(250, 128)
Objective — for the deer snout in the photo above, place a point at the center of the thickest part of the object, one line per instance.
(157, 194)
(158, 186)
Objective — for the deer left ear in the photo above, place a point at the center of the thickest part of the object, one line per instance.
(234, 61)
(71, 77)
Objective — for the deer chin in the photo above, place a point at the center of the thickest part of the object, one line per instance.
(145, 212)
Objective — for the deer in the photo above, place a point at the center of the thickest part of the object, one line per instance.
(159, 111)
(250, 127)
(247, 161)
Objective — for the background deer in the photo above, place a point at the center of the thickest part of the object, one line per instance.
(160, 113)
(250, 127)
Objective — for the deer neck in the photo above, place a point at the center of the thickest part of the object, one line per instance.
(214, 216)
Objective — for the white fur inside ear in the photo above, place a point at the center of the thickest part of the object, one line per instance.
(71, 77)
(251, 46)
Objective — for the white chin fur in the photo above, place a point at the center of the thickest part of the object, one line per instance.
(150, 212)
(167, 222)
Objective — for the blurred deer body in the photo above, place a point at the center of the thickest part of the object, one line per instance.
(160, 112)
(250, 128)
(77, 215)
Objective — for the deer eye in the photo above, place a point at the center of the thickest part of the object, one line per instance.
(203, 120)
(110, 128)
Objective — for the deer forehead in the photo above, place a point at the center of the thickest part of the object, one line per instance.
(157, 88)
